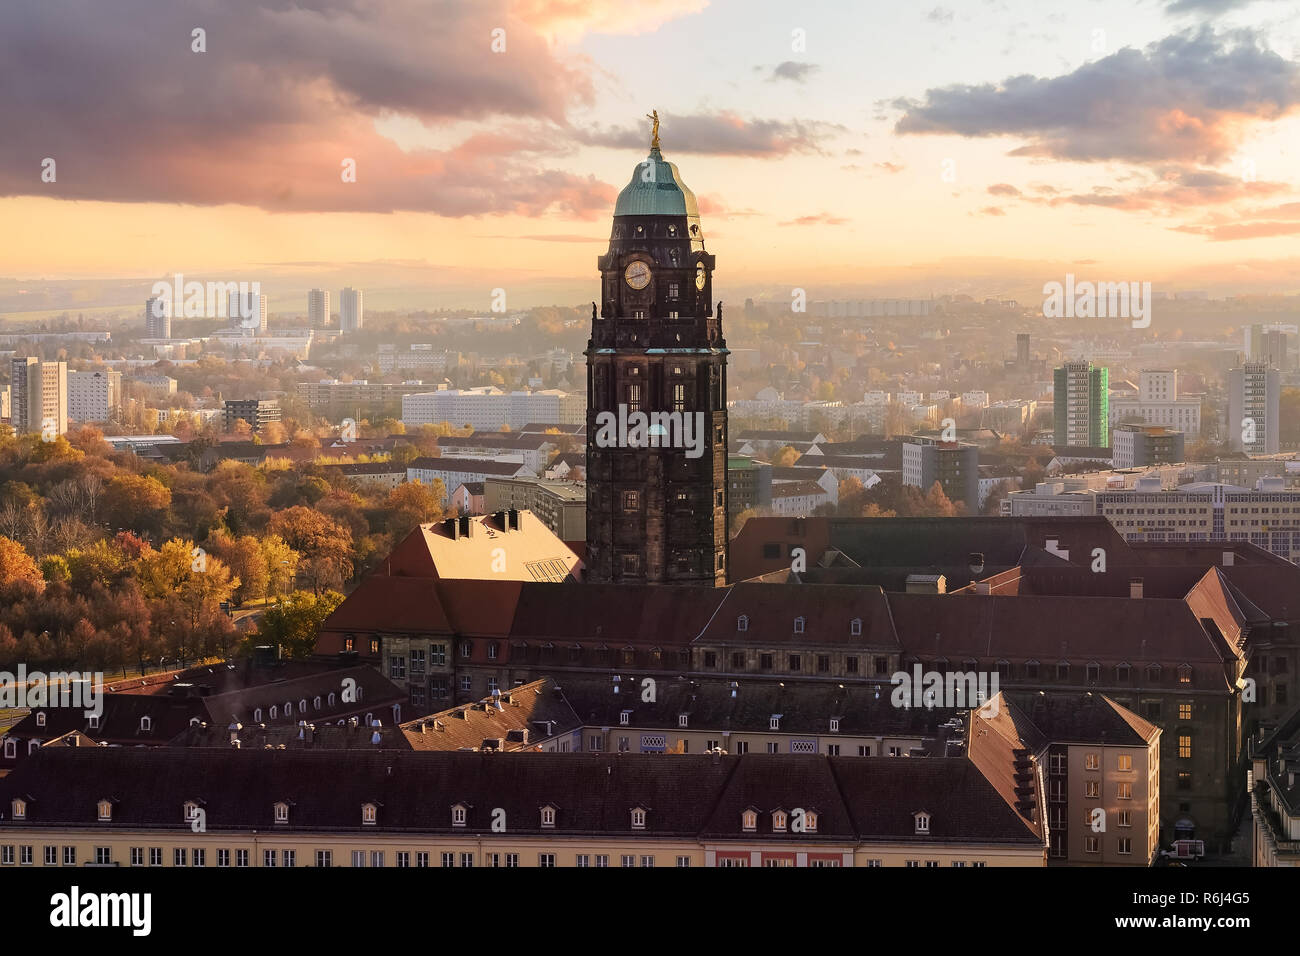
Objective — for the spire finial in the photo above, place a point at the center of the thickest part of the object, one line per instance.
(653, 116)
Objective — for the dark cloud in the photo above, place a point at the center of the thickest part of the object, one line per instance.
(1188, 97)
(285, 92)
(1175, 189)
(720, 134)
(791, 70)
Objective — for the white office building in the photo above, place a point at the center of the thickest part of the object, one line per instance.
(318, 308)
(1158, 403)
(94, 397)
(350, 310)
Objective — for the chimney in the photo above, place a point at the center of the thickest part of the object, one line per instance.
(1135, 588)
(982, 587)
(1228, 557)
(465, 526)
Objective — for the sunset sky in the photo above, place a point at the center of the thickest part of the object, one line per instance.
(902, 149)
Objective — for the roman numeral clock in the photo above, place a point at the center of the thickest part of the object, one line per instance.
(657, 514)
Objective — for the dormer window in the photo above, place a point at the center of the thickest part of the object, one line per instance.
(190, 811)
(682, 720)
(369, 814)
(922, 821)
(257, 714)
(275, 711)
(548, 817)
(105, 808)
(19, 808)
(1184, 673)
(11, 748)
(316, 702)
(774, 722)
(331, 699)
(835, 725)
(302, 706)
(282, 812)
(742, 623)
(288, 708)
(458, 814)
(798, 625)
(638, 818)
(749, 821)
(855, 626)
(93, 722)
(40, 718)
(779, 821)
(624, 717)
(810, 821)
(146, 724)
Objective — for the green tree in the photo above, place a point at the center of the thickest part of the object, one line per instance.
(294, 622)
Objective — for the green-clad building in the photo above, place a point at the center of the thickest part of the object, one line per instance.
(1082, 405)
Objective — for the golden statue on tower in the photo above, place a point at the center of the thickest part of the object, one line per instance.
(653, 116)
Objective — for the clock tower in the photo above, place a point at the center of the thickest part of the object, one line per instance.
(656, 393)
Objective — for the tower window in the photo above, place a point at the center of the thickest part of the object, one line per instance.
(673, 290)
(679, 398)
(633, 397)
(631, 500)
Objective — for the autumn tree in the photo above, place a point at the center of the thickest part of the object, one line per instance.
(18, 572)
(324, 545)
(786, 457)
(137, 503)
(411, 504)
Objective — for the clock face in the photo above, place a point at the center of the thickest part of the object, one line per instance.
(700, 277)
(637, 275)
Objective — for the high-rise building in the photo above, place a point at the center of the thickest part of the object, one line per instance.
(656, 514)
(1254, 399)
(350, 311)
(248, 310)
(1082, 399)
(318, 309)
(157, 318)
(954, 465)
(1022, 349)
(38, 396)
(94, 396)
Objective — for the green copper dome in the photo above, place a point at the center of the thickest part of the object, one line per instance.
(656, 189)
